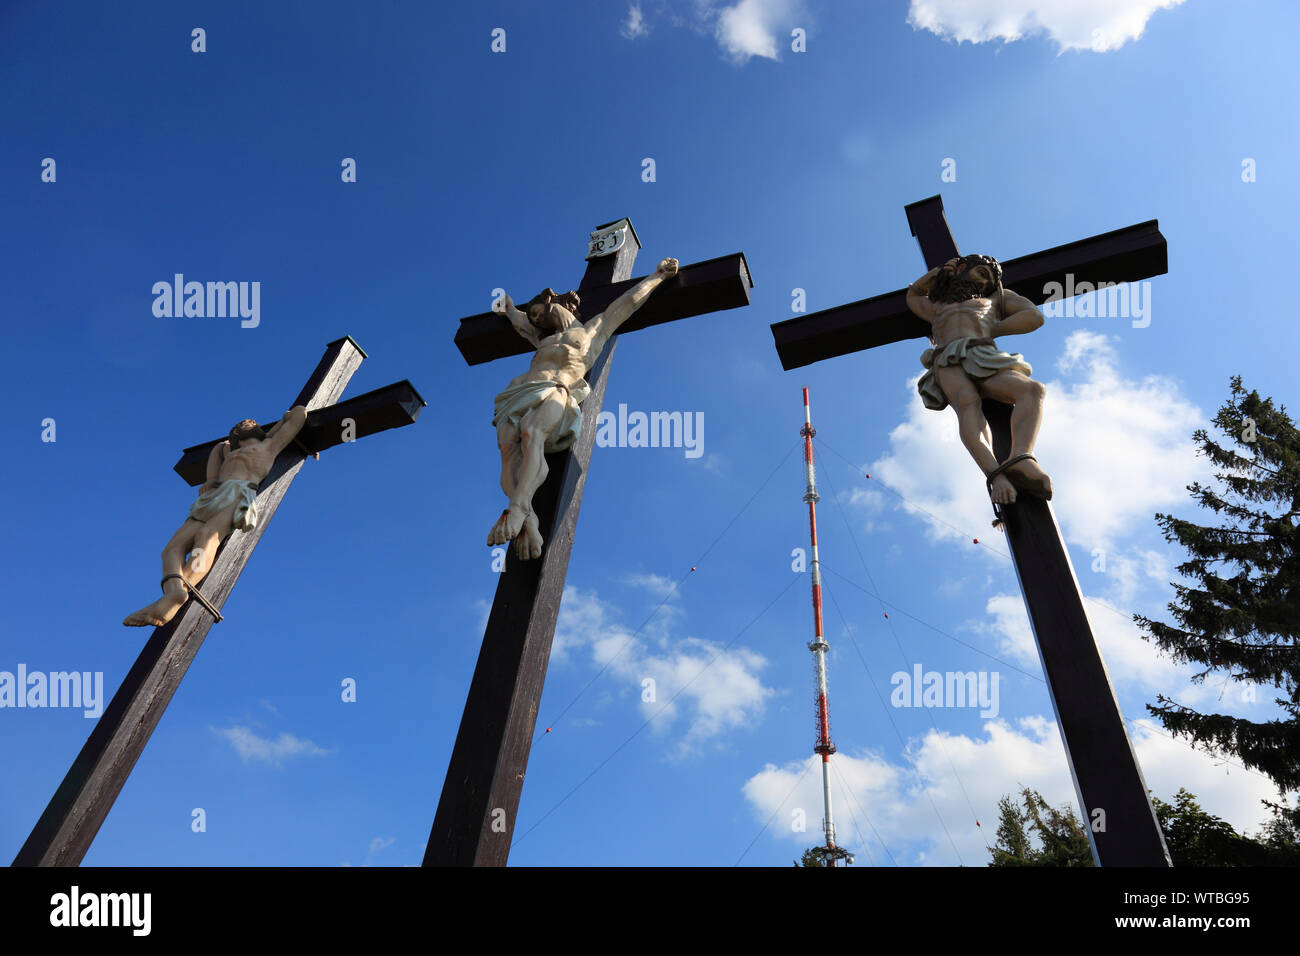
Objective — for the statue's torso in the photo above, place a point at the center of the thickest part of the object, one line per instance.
(561, 357)
(251, 461)
(973, 318)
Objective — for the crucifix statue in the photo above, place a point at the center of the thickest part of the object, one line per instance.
(960, 305)
(244, 478)
(967, 308)
(475, 817)
(539, 412)
(227, 502)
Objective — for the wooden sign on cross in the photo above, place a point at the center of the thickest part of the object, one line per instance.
(1113, 796)
(80, 805)
(475, 819)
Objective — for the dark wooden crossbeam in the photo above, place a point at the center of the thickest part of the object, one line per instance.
(82, 801)
(474, 823)
(1106, 774)
(389, 407)
(709, 286)
(1124, 255)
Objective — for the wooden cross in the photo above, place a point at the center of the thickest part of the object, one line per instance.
(475, 818)
(74, 815)
(1106, 774)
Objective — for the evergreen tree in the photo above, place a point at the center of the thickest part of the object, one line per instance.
(1194, 837)
(1282, 838)
(1198, 838)
(810, 858)
(1241, 614)
(1013, 847)
(1061, 839)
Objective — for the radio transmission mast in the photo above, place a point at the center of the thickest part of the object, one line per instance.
(830, 853)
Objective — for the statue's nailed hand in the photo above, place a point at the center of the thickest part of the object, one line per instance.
(667, 268)
(503, 304)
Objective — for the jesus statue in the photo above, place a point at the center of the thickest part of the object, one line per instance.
(966, 306)
(539, 411)
(226, 503)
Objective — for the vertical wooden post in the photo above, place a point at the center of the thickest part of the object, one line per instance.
(1117, 812)
(475, 819)
(1112, 793)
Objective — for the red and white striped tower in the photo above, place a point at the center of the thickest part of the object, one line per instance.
(830, 853)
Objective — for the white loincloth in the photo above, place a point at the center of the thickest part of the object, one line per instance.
(979, 358)
(241, 494)
(518, 400)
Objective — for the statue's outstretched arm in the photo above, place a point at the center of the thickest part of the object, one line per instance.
(287, 429)
(1019, 315)
(603, 326)
(518, 320)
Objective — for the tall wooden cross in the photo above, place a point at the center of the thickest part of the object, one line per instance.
(74, 815)
(1106, 774)
(475, 819)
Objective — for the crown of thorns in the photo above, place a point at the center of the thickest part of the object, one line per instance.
(568, 300)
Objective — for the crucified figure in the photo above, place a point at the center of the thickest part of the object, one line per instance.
(539, 412)
(966, 306)
(226, 502)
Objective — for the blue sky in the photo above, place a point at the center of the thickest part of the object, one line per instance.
(479, 170)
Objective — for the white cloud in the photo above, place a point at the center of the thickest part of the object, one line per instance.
(1125, 574)
(1130, 660)
(1222, 788)
(791, 797)
(1128, 657)
(656, 584)
(897, 798)
(1096, 25)
(743, 29)
(1080, 346)
(698, 686)
(634, 26)
(377, 846)
(250, 746)
(582, 621)
(664, 590)
(483, 608)
(752, 28)
(871, 502)
(1011, 625)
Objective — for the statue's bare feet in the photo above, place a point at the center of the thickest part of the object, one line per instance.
(159, 612)
(507, 527)
(528, 544)
(1002, 491)
(1028, 476)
